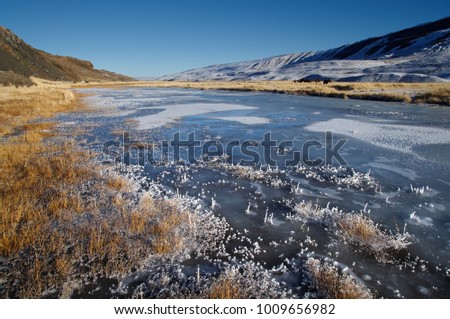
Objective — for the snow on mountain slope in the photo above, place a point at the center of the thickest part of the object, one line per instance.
(417, 54)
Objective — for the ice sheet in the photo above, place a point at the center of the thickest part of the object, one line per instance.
(247, 120)
(178, 111)
(385, 134)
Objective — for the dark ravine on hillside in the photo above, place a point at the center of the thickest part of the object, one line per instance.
(19, 61)
(417, 54)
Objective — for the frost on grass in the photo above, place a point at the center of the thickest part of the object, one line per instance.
(238, 171)
(360, 229)
(252, 280)
(334, 283)
(307, 211)
(341, 176)
(103, 225)
(240, 281)
(355, 228)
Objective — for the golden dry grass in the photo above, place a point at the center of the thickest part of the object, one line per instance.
(118, 183)
(332, 284)
(59, 217)
(18, 106)
(30, 175)
(162, 220)
(225, 287)
(42, 217)
(360, 229)
(432, 93)
(355, 228)
(439, 95)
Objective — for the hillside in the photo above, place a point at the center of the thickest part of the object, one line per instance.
(417, 54)
(19, 61)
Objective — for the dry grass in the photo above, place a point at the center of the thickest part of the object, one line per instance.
(60, 218)
(118, 183)
(131, 122)
(433, 93)
(225, 287)
(52, 232)
(245, 281)
(29, 167)
(440, 95)
(39, 190)
(309, 211)
(161, 220)
(30, 175)
(355, 228)
(19, 106)
(331, 283)
(360, 229)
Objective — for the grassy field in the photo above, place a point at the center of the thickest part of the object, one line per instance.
(427, 93)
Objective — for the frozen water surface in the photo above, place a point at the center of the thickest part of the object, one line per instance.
(397, 174)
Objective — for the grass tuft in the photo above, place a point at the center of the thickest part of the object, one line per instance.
(226, 287)
(356, 228)
(440, 95)
(332, 283)
(360, 229)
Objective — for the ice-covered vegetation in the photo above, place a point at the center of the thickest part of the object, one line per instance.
(354, 227)
(238, 281)
(335, 283)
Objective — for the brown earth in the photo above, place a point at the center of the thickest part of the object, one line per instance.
(19, 61)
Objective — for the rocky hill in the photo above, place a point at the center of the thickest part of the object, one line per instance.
(417, 54)
(19, 61)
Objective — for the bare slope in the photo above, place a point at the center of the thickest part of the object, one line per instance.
(19, 61)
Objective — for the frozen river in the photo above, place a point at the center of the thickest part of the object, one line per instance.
(387, 161)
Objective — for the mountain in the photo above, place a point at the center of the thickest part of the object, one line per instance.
(417, 54)
(19, 61)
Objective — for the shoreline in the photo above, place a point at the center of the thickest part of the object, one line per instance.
(69, 222)
(412, 93)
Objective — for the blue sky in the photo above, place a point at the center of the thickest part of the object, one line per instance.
(150, 38)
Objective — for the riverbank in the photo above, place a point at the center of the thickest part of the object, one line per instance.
(72, 227)
(420, 93)
(68, 221)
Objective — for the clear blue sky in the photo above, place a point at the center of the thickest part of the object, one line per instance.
(147, 38)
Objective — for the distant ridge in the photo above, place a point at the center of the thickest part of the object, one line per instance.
(417, 54)
(19, 61)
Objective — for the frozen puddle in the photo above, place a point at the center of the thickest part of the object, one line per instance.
(175, 112)
(392, 136)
